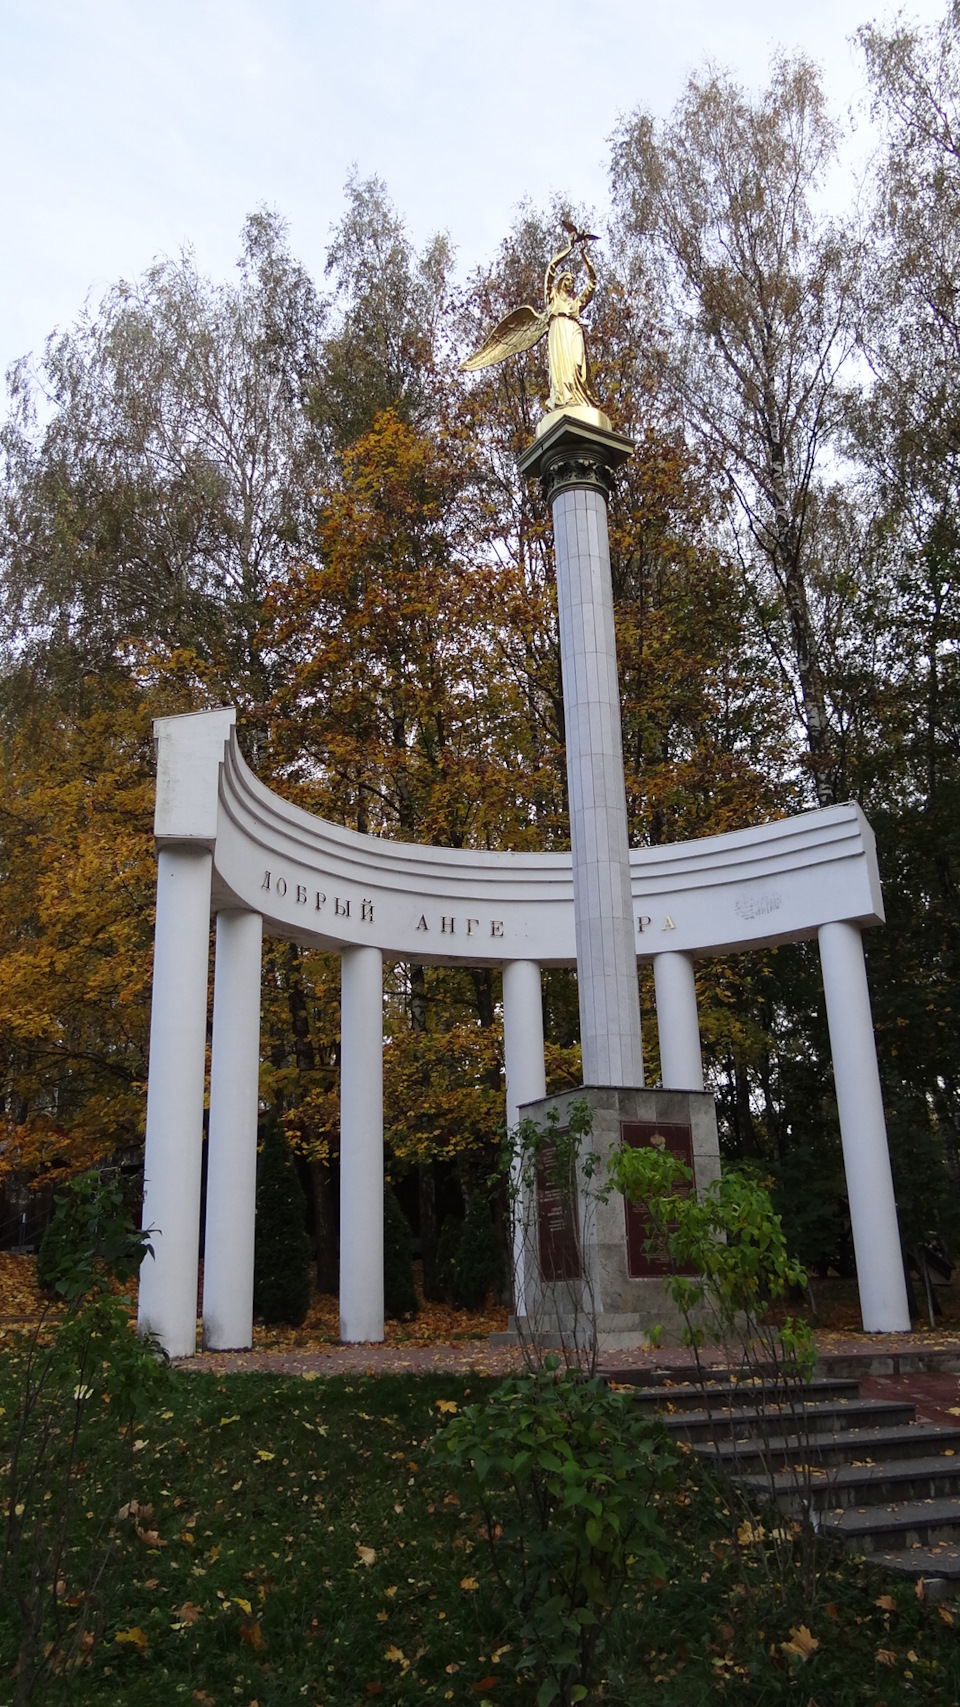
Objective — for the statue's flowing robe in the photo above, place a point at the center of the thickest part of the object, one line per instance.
(569, 372)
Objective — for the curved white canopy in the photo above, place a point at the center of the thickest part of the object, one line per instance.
(329, 887)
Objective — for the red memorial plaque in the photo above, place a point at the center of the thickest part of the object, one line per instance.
(557, 1221)
(666, 1135)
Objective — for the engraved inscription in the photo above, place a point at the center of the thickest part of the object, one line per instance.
(557, 1220)
(758, 906)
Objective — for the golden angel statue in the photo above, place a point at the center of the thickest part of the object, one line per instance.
(570, 384)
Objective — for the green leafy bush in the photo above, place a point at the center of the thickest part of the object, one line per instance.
(733, 1240)
(447, 1246)
(82, 1382)
(91, 1230)
(563, 1473)
(400, 1301)
(281, 1274)
(478, 1267)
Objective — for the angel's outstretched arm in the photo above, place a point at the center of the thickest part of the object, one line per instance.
(591, 284)
(551, 274)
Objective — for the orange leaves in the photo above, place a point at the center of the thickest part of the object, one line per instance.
(251, 1634)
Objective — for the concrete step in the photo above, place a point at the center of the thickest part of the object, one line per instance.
(842, 1446)
(844, 1485)
(894, 1528)
(747, 1422)
(692, 1397)
(938, 1568)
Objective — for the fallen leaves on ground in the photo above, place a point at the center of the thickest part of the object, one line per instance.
(801, 1643)
(135, 1636)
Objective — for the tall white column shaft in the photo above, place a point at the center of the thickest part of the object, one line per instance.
(178, 1040)
(232, 1134)
(605, 931)
(361, 1144)
(526, 1081)
(681, 1063)
(866, 1157)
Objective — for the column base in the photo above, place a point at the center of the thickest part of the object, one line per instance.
(609, 1286)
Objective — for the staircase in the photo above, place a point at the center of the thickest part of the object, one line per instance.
(873, 1476)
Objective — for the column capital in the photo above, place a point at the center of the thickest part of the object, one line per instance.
(575, 452)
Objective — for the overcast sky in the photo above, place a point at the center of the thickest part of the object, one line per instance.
(129, 128)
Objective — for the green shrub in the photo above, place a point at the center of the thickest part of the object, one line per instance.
(448, 1245)
(400, 1301)
(563, 1474)
(81, 1384)
(281, 1274)
(478, 1267)
(89, 1232)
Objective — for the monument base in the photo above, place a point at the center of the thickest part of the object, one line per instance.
(585, 1270)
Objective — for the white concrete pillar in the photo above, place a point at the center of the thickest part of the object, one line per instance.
(681, 1063)
(178, 1041)
(605, 929)
(361, 1144)
(232, 1134)
(866, 1157)
(526, 1080)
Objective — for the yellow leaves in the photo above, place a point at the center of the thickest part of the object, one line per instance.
(251, 1634)
(801, 1644)
(396, 1656)
(886, 1603)
(226, 1421)
(947, 1617)
(134, 1636)
(368, 1555)
(469, 1584)
(265, 1457)
(244, 1605)
(747, 1535)
(391, 1591)
(448, 1407)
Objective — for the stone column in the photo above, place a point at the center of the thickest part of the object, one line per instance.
(361, 1144)
(866, 1157)
(178, 1040)
(526, 1079)
(232, 1134)
(575, 460)
(681, 1064)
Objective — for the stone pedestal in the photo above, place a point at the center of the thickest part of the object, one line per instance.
(611, 1287)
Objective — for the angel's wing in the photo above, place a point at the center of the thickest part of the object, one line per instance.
(520, 331)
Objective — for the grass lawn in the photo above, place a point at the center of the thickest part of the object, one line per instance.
(298, 1541)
